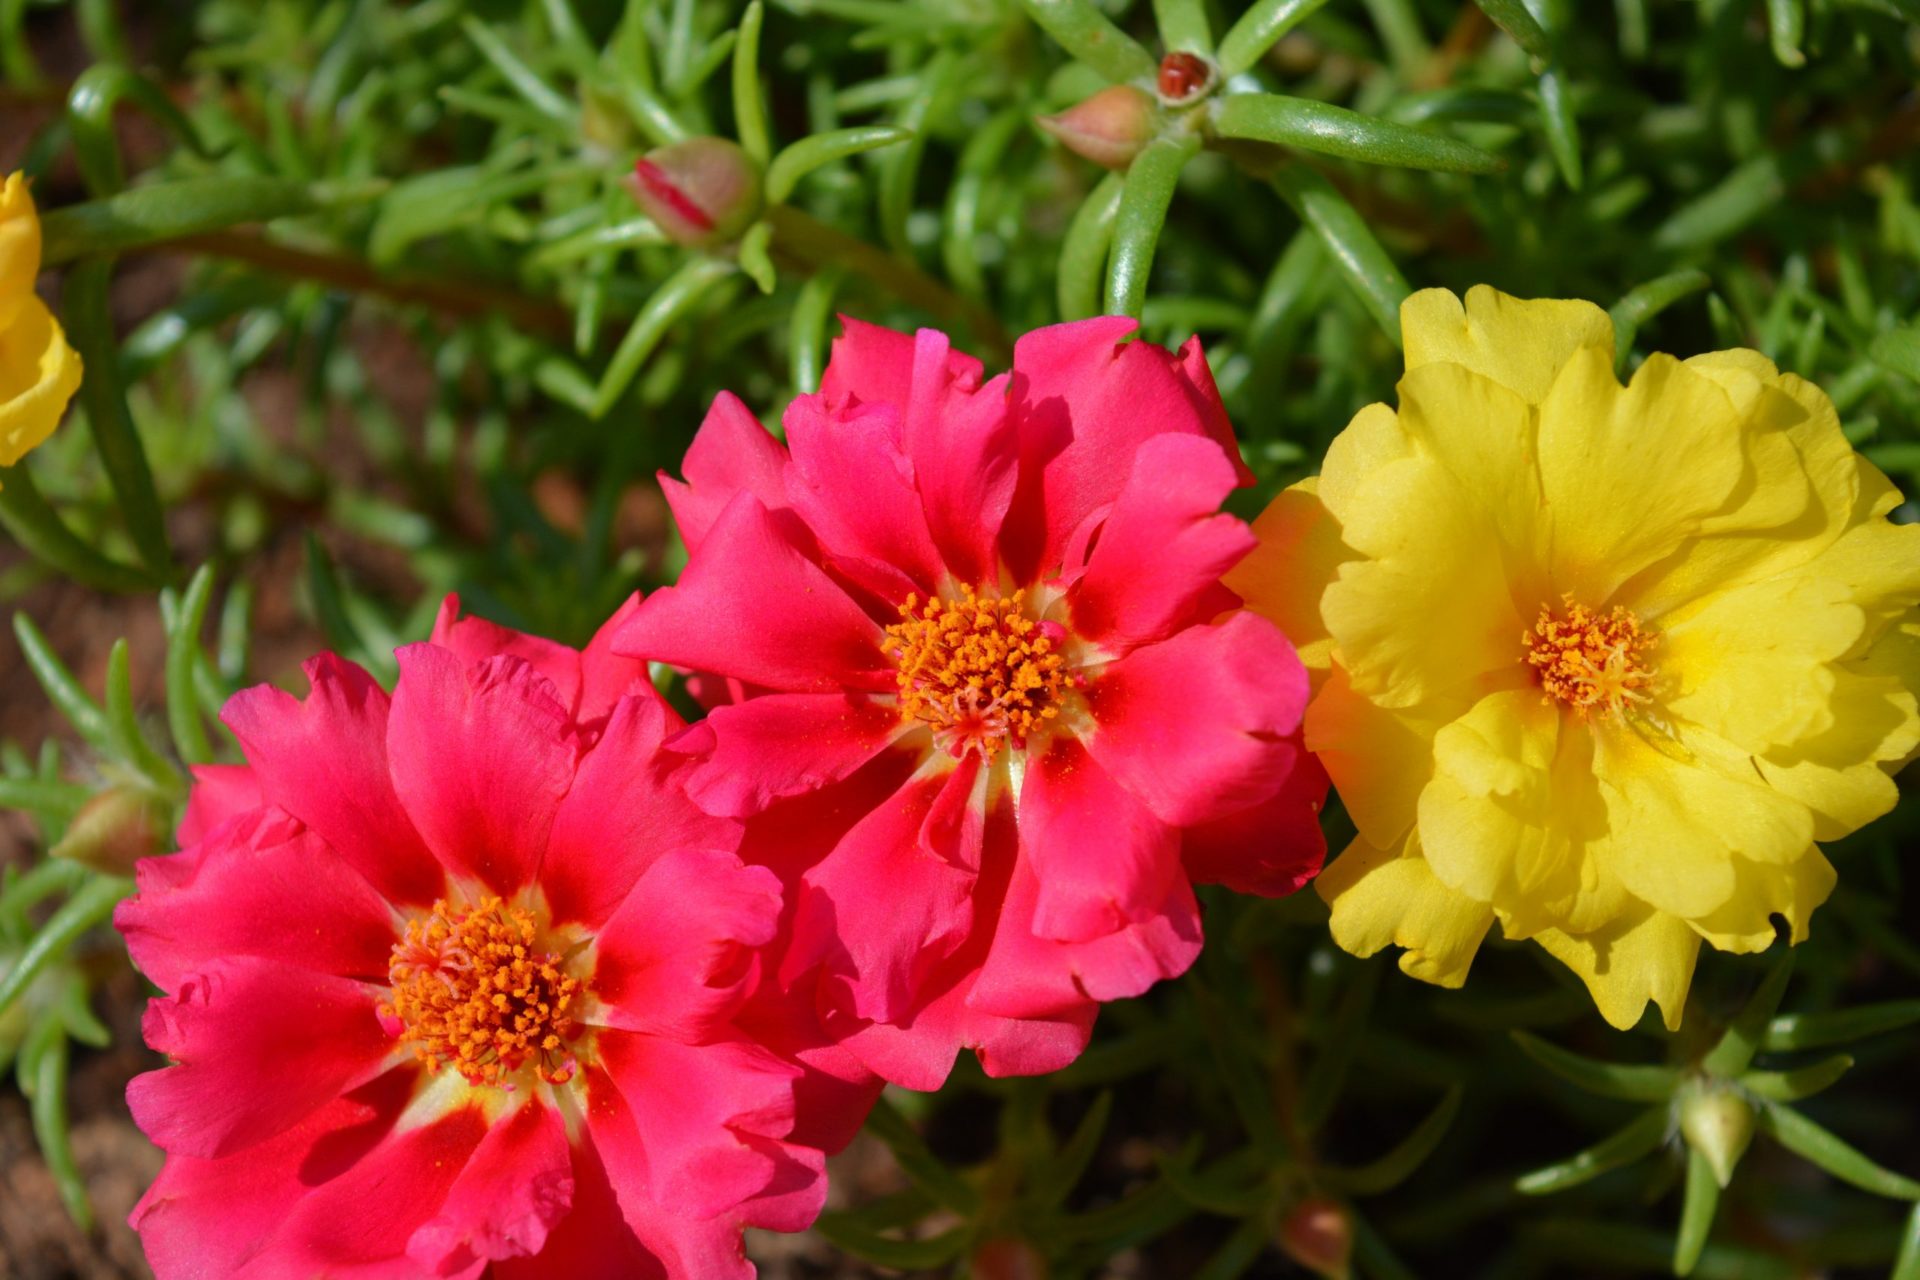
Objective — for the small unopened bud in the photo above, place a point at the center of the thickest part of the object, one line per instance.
(1718, 1123)
(1184, 76)
(1004, 1259)
(116, 829)
(704, 191)
(1317, 1233)
(1109, 128)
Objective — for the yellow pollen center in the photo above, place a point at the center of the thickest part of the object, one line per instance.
(1589, 661)
(978, 669)
(475, 989)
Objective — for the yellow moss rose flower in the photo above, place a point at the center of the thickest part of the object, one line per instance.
(39, 372)
(1601, 663)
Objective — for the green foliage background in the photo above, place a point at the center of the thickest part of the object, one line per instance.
(415, 337)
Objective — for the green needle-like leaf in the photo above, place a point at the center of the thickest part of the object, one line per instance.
(1183, 25)
(1811, 1142)
(807, 329)
(1907, 1265)
(65, 692)
(1638, 1139)
(676, 296)
(183, 652)
(1319, 126)
(803, 157)
(1898, 350)
(1839, 1026)
(129, 742)
(1741, 1040)
(1514, 18)
(1607, 1079)
(1397, 1165)
(1142, 214)
(1083, 254)
(1786, 27)
(1562, 128)
(51, 1131)
(1643, 302)
(918, 1162)
(921, 1256)
(89, 906)
(1259, 29)
(40, 531)
(1696, 1214)
(540, 95)
(749, 106)
(1356, 252)
(192, 206)
(1083, 31)
(1801, 1082)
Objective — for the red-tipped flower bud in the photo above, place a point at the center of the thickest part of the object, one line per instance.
(116, 829)
(704, 191)
(1109, 128)
(1718, 1123)
(1317, 1233)
(1184, 76)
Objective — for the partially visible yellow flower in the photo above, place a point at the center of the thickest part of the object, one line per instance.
(39, 372)
(1600, 663)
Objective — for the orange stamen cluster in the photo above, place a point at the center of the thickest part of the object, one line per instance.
(978, 669)
(1589, 661)
(474, 990)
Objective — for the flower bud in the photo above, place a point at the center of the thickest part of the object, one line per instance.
(701, 192)
(1006, 1259)
(1718, 1123)
(116, 829)
(1317, 1233)
(1183, 76)
(1109, 128)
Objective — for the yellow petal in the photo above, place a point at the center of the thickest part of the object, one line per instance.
(1371, 441)
(1680, 813)
(1630, 473)
(39, 373)
(19, 247)
(1281, 578)
(1519, 343)
(1378, 758)
(1483, 433)
(1382, 898)
(1791, 891)
(1642, 955)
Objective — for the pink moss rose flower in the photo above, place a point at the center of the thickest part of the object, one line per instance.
(456, 981)
(989, 710)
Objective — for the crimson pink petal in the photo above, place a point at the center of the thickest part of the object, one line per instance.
(205, 1219)
(220, 792)
(673, 1120)
(593, 1241)
(261, 886)
(233, 1027)
(852, 484)
(1271, 848)
(516, 1186)
(482, 756)
(730, 454)
(1084, 399)
(473, 640)
(1102, 859)
(324, 760)
(784, 744)
(628, 805)
(606, 677)
(751, 606)
(882, 956)
(965, 455)
(835, 1090)
(679, 956)
(1199, 726)
(1163, 547)
(875, 365)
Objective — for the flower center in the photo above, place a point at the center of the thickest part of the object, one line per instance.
(978, 669)
(479, 989)
(1588, 660)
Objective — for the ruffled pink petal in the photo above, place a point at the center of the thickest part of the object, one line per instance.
(1205, 397)
(784, 744)
(751, 606)
(835, 1089)
(1027, 976)
(851, 482)
(258, 1047)
(1084, 400)
(1271, 848)
(679, 956)
(220, 792)
(324, 760)
(517, 1185)
(730, 454)
(594, 1241)
(1200, 726)
(262, 886)
(1103, 860)
(965, 454)
(606, 677)
(1163, 547)
(474, 640)
(628, 805)
(359, 1222)
(909, 853)
(875, 365)
(481, 756)
(674, 1121)
(205, 1219)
